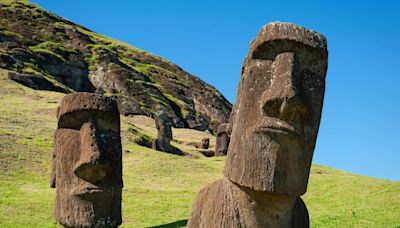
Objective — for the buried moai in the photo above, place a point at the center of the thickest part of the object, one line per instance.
(87, 162)
(164, 134)
(222, 141)
(203, 144)
(275, 121)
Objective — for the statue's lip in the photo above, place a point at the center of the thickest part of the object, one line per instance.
(275, 129)
(279, 128)
(90, 191)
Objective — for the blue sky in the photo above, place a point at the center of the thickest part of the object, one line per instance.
(360, 123)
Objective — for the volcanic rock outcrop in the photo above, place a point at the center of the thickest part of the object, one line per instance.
(87, 162)
(45, 51)
(275, 121)
(222, 141)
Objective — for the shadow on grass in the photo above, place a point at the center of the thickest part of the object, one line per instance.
(180, 223)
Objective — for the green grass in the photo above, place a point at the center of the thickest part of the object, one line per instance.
(46, 51)
(159, 187)
(4, 32)
(12, 1)
(52, 42)
(174, 99)
(55, 48)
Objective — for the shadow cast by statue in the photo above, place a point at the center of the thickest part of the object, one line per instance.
(180, 223)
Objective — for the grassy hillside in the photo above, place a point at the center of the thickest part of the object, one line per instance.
(48, 52)
(159, 188)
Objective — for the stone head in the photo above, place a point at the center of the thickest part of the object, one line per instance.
(222, 141)
(87, 162)
(205, 143)
(276, 116)
(164, 125)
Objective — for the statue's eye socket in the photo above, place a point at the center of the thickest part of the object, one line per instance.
(75, 120)
(271, 107)
(71, 123)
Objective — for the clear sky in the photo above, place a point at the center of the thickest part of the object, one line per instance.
(360, 126)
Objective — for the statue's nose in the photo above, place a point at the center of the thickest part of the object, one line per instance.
(91, 165)
(283, 99)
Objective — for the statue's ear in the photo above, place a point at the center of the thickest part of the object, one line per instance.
(53, 159)
(53, 170)
(58, 111)
(53, 182)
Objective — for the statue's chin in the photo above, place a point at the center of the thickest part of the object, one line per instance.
(89, 208)
(280, 159)
(94, 195)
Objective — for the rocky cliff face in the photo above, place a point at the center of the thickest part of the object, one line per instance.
(45, 51)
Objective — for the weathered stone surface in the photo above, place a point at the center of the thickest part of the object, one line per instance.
(277, 113)
(87, 162)
(222, 142)
(274, 125)
(226, 204)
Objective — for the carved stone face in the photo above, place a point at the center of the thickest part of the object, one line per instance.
(164, 125)
(222, 141)
(87, 162)
(278, 109)
(205, 143)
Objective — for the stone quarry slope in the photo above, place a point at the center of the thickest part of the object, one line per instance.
(44, 51)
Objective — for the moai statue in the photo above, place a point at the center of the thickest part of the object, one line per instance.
(87, 162)
(221, 147)
(164, 132)
(204, 144)
(275, 122)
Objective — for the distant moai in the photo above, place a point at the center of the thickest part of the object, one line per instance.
(164, 134)
(204, 144)
(275, 121)
(222, 142)
(87, 162)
